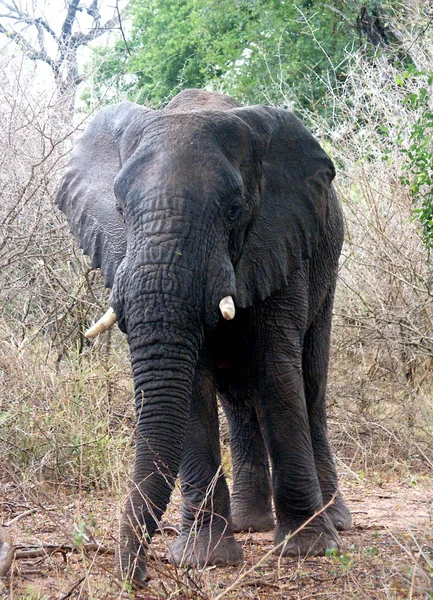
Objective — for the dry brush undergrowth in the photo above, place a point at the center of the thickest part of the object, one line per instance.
(382, 358)
(66, 420)
(47, 293)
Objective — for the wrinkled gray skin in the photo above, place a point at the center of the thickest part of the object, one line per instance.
(180, 208)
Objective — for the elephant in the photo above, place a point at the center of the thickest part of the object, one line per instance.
(217, 228)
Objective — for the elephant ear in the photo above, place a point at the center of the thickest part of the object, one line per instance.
(86, 194)
(295, 182)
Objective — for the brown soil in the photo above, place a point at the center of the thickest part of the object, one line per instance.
(387, 554)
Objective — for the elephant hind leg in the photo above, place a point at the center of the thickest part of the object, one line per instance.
(207, 535)
(315, 362)
(251, 498)
(339, 513)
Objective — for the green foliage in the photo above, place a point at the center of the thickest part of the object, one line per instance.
(255, 50)
(419, 153)
(80, 536)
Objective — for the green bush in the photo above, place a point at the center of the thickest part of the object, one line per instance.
(419, 152)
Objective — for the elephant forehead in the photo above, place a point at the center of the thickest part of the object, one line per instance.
(178, 174)
(202, 133)
(186, 155)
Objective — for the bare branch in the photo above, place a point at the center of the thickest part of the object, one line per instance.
(17, 14)
(41, 38)
(83, 39)
(27, 48)
(119, 17)
(92, 10)
(64, 63)
(48, 549)
(46, 26)
(69, 20)
(340, 13)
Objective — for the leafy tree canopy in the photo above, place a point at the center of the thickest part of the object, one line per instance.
(255, 50)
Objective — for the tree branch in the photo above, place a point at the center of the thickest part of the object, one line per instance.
(64, 64)
(340, 13)
(83, 39)
(48, 549)
(69, 20)
(41, 38)
(16, 14)
(47, 27)
(27, 48)
(92, 10)
(119, 18)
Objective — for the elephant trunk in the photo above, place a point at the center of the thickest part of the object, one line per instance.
(166, 293)
(164, 353)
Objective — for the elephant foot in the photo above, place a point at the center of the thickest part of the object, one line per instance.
(203, 549)
(339, 514)
(131, 570)
(251, 519)
(315, 539)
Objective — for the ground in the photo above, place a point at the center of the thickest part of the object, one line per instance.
(387, 554)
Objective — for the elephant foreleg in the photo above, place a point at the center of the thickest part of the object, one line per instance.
(251, 498)
(207, 536)
(284, 419)
(315, 361)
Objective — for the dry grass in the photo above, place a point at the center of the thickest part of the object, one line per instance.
(65, 424)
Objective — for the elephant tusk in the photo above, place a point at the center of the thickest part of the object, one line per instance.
(227, 308)
(104, 323)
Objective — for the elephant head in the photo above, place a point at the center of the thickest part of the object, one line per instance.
(182, 208)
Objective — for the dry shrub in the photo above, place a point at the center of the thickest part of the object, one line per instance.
(382, 361)
(65, 408)
(70, 424)
(47, 286)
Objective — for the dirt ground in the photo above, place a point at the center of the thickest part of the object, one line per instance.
(388, 553)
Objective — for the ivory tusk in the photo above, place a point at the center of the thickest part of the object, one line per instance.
(104, 323)
(227, 308)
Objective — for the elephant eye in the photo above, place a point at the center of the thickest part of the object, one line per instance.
(235, 211)
(120, 211)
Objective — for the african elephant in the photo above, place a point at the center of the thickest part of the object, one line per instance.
(218, 231)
